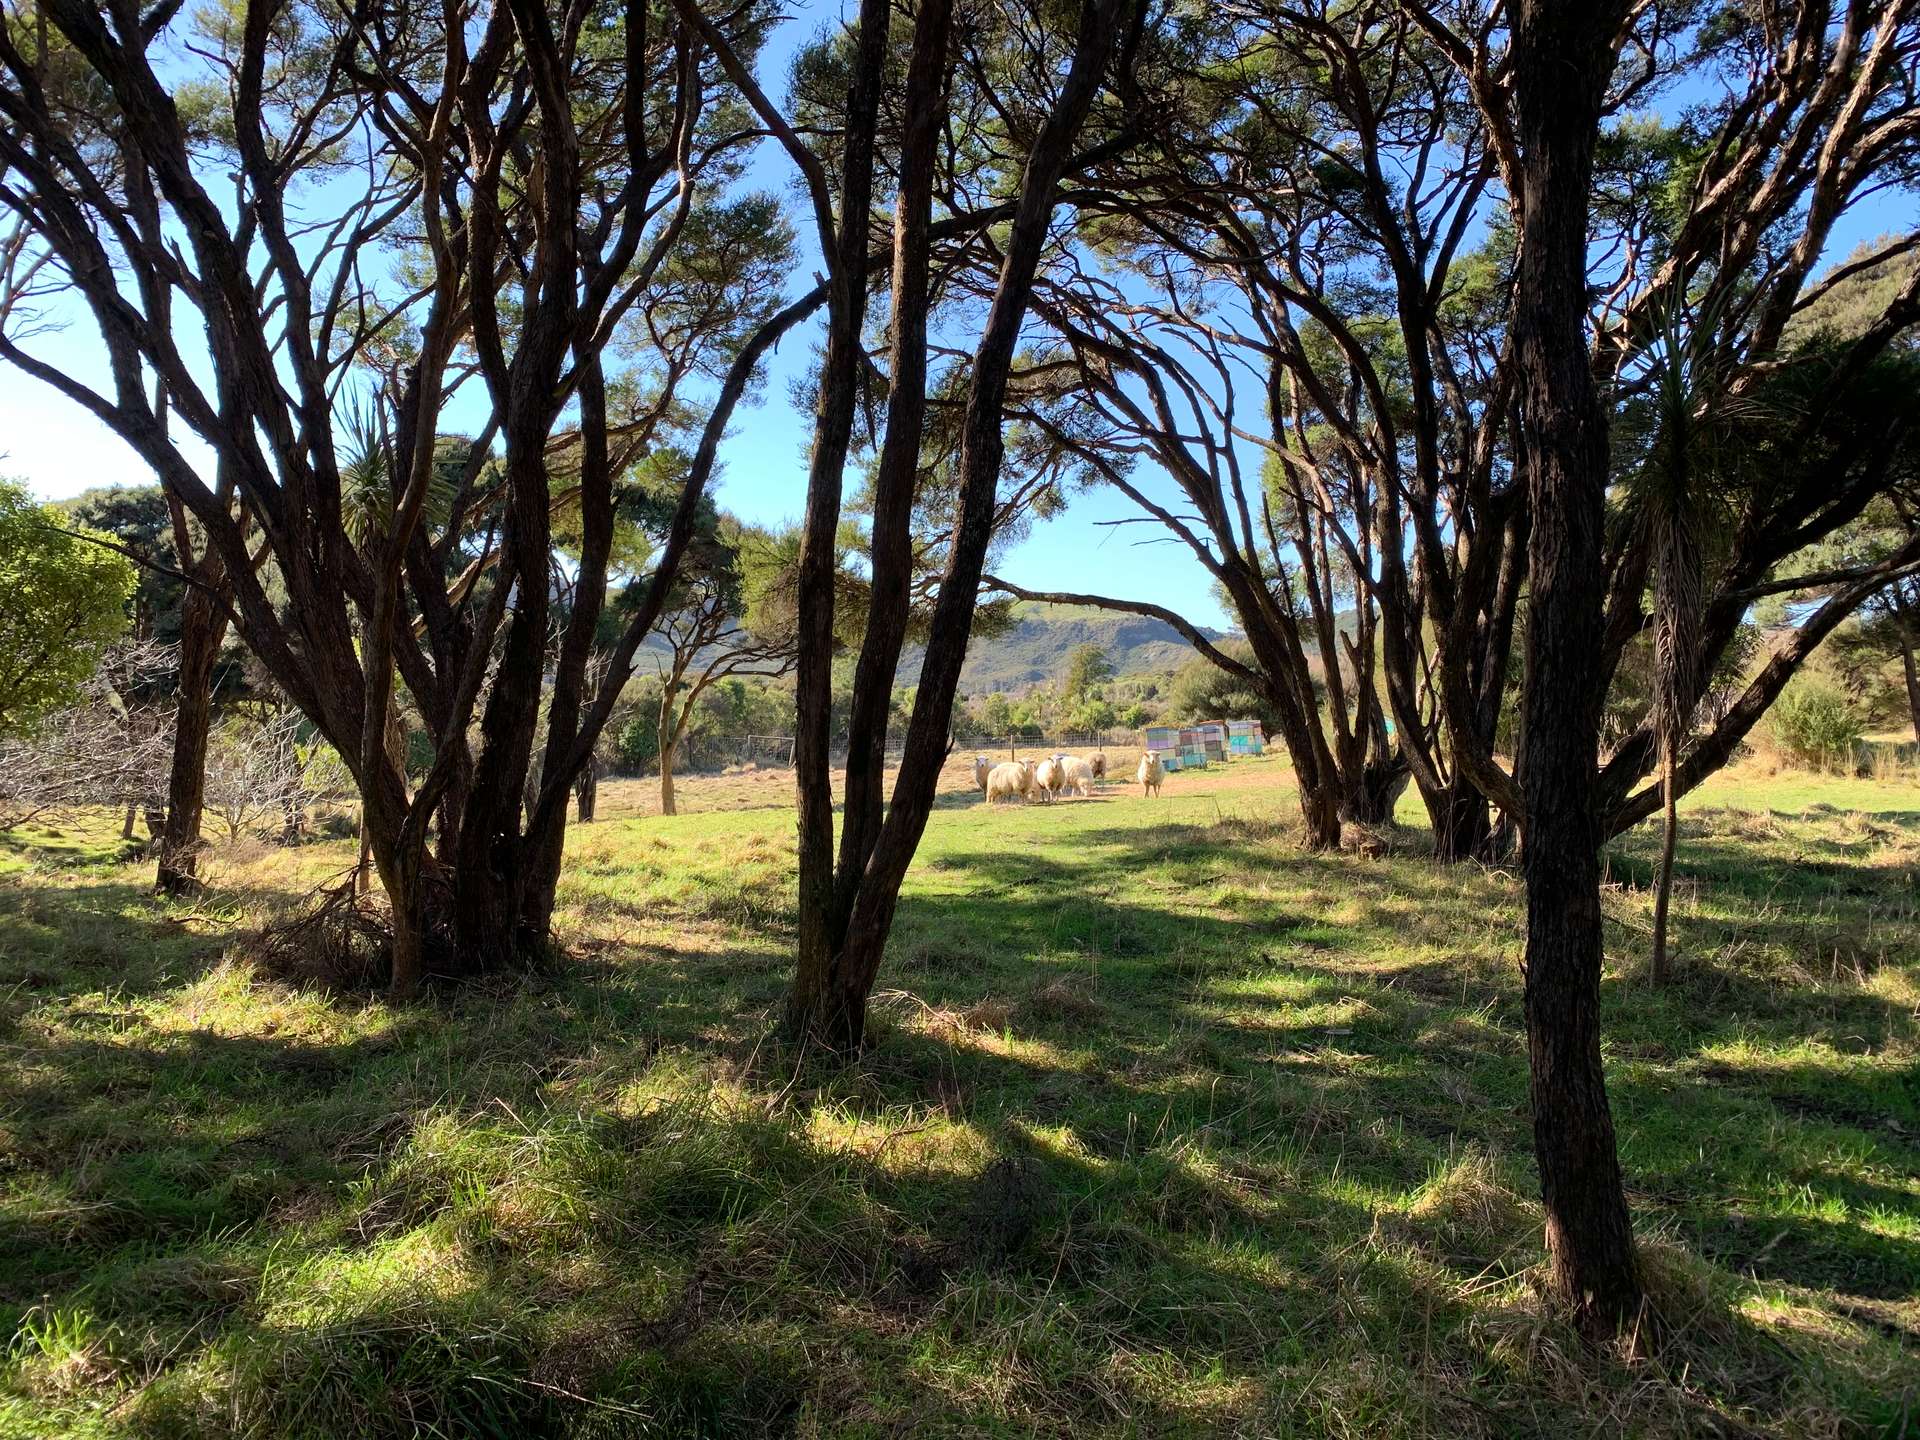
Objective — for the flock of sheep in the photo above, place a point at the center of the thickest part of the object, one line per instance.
(1045, 779)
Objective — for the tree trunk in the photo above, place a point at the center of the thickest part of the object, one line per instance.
(452, 805)
(1462, 821)
(128, 821)
(586, 792)
(497, 863)
(400, 878)
(1377, 791)
(890, 551)
(1562, 59)
(667, 741)
(815, 583)
(1663, 882)
(363, 867)
(1913, 675)
(1320, 807)
(828, 999)
(202, 627)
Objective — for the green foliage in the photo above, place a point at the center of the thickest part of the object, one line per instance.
(638, 747)
(1848, 307)
(1092, 714)
(137, 517)
(1816, 722)
(1201, 690)
(996, 715)
(62, 603)
(1087, 667)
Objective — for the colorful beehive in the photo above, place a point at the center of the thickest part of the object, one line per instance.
(1244, 737)
(1213, 736)
(1164, 741)
(1193, 750)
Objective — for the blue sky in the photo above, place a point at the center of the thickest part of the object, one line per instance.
(59, 449)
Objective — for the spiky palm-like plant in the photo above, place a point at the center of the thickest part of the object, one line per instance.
(1683, 365)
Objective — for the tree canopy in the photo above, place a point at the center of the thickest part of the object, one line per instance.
(63, 601)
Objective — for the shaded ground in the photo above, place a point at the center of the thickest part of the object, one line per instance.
(1168, 1129)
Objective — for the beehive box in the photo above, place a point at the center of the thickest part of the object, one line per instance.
(1244, 737)
(1164, 741)
(1213, 738)
(1193, 750)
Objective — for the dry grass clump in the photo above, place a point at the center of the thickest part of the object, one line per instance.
(1065, 999)
(1466, 1212)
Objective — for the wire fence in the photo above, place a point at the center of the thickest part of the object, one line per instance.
(707, 754)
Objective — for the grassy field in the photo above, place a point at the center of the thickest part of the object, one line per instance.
(1167, 1129)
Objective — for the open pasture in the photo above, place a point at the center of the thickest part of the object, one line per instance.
(1167, 1128)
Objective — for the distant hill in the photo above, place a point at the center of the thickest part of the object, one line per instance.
(1035, 651)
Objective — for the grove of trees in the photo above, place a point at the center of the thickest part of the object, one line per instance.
(1495, 359)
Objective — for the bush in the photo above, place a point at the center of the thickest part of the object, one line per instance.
(638, 748)
(1091, 715)
(1201, 690)
(1815, 722)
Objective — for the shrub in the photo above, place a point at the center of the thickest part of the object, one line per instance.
(1815, 722)
(638, 747)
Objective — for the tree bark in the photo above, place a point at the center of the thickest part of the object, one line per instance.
(1462, 821)
(1562, 59)
(363, 866)
(586, 794)
(1377, 789)
(202, 627)
(891, 547)
(1663, 882)
(399, 867)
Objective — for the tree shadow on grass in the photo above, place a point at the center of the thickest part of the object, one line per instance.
(92, 935)
(589, 1199)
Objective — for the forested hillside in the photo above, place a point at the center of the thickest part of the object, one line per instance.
(1042, 641)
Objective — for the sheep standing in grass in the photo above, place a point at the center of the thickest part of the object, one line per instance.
(1009, 781)
(1150, 774)
(1048, 777)
(982, 767)
(1077, 774)
(1097, 762)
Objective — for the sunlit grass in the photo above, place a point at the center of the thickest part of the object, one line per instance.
(1167, 1128)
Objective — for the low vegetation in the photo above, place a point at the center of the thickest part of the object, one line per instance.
(1166, 1127)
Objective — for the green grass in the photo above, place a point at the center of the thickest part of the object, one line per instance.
(1167, 1129)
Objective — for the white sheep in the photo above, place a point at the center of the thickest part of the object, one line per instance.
(1005, 782)
(1048, 777)
(1150, 774)
(1078, 774)
(982, 767)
